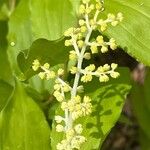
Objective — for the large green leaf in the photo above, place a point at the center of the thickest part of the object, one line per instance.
(23, 125)
(50, 18)
(133, 33)
(32, 20)
(107, 100)
(53, 52)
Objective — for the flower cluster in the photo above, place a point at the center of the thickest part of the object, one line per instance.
(72, 103)
(102, 72)
(73, 138)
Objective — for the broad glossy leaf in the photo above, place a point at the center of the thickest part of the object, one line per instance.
(133, 33)
(23, 125)
(50, 18)
(53, 52)
(107, 100)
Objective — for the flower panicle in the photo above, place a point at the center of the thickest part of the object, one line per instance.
(76, 106)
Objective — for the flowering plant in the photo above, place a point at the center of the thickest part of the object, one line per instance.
(64, 72)
(72, 103)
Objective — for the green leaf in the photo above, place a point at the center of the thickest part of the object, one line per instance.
(5, 93)
(133, 33)
(140, 97)
(51, 18)
(27, 24)
(107, 100)
(20, 35)
(5, 73)
(6, 79)
(53, 52)
(23, 125)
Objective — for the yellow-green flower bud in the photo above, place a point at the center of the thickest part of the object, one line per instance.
(59, 128)
(98, 6)
(100, 40)
(94, 49)
(58, 96)
(106, 67)
(50, 75)
(60, 72)
(111, 16)
(64, 105)
(114, 23)
(66, 88)
(42, 75)
(104, 49)
(46, 65)
(83, 29)
(68, 43)
(104, 78)
(57, 87)
(100, 69)
(74, 70)
(115, 74)
(68, 32)
(69, 134)
(81, 22)
(82, 9)
(103, 27)
(59, 119)
(72, 55)
(87, 56)
(79, 36)
(120, 16)
(35, 65)
(78, 128)
(92, 6)
(88, 10)
(71, 106)
(86, 99)
(80, 43)
(85, 1)
(90, 68)
(114, 66)
(113, 44)
(77, 99)
(86, 78)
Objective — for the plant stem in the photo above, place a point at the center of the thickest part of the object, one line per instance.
(80, 61)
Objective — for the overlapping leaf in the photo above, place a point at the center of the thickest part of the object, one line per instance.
(53, 52)
(51, 18)
(23, 125)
